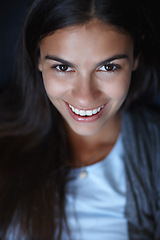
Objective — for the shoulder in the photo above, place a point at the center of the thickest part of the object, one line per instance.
(143, 120)
(141, 135)
(141, 132)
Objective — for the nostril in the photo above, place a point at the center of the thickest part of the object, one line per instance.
(85, 96)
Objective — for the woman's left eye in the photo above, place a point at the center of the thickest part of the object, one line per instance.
(108, 68)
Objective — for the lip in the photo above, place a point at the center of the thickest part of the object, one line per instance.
(85, 119)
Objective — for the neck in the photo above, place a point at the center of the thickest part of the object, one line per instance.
(87, 150)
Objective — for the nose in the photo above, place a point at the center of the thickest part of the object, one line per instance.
(86, 91)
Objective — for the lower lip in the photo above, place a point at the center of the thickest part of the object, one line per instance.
(85, 119)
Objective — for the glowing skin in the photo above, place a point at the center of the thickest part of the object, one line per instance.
(87, 67)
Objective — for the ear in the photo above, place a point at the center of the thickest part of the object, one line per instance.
(39, 65)
(136, 62)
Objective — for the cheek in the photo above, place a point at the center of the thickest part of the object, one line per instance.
(118, 87)
(53, 86)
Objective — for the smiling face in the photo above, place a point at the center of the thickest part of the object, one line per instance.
(86, 71)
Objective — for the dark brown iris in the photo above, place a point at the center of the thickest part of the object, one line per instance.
(109, 67)
(63, 68)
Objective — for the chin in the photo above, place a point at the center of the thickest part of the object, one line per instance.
(86, 131)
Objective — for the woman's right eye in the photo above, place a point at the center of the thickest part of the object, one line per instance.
(63, 68)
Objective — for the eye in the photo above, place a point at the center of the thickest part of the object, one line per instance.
(109, 68)
(63, 68)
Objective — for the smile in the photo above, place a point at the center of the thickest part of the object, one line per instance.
(84, 113)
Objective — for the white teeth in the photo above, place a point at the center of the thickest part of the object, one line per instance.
(87, 112)
(77, 111)
(82, 113)
(95, 111)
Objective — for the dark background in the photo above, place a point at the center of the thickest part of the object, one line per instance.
(11, 20)
(12, 13)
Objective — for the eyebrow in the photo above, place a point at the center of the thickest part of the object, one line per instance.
(57, 59)
(65, 62)
(116, 57)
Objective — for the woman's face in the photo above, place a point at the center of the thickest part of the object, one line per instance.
(86, 71)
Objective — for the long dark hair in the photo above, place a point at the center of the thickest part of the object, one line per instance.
(34, 148)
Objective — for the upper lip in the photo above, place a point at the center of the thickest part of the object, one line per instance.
(85, 109)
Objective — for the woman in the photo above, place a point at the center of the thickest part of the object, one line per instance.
(79, 152)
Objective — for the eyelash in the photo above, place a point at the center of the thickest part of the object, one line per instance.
(114, 66)
(62, 71)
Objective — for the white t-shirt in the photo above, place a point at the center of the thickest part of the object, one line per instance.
(95, 205)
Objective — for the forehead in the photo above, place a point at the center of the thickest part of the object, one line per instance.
(92, 39)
